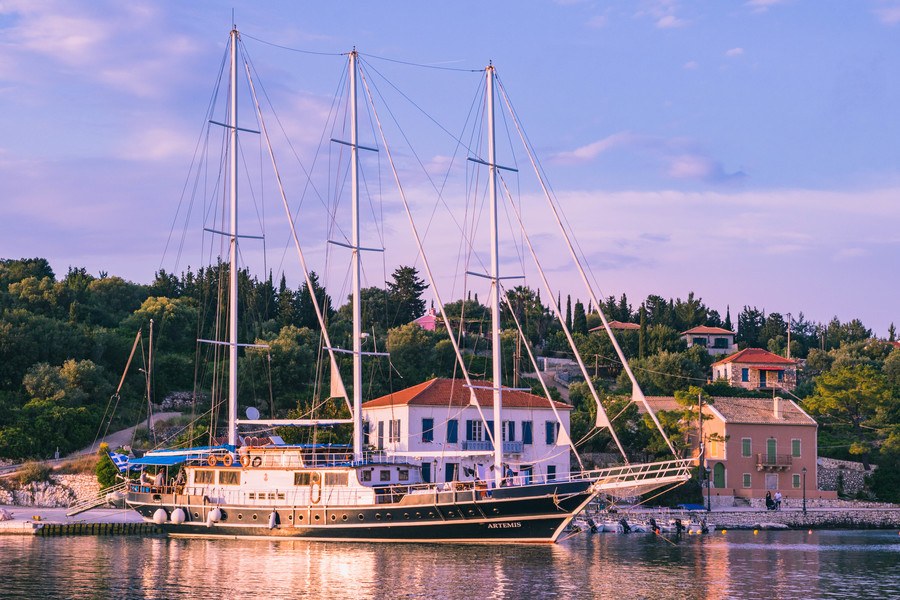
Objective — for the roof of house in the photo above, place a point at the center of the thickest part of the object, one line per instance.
(453, 392)
(618, 325)
(741, 410)
(755, 356)
(704, 330)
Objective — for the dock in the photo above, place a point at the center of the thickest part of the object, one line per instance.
(53, 522)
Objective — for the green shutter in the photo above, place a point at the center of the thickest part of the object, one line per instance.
(746, 447)
(795, 448)
(746, 480)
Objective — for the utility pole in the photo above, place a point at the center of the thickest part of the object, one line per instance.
(789, 336)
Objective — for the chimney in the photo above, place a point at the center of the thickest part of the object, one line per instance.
(776, 405)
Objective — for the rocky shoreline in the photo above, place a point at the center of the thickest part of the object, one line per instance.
(59, 493)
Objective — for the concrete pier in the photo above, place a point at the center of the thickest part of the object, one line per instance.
(28, 520)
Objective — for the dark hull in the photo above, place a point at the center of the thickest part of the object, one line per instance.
(527, 514)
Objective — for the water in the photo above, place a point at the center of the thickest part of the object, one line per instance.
(774, 564)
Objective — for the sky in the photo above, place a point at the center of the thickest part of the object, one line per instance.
(748, 152)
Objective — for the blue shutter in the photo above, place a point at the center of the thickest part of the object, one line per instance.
(452, 431)
(511, 431)
(427, 430)
(550, 430)
(527, 435)
(490, 426)
(745, 374)
(470, 430)
(426, 472)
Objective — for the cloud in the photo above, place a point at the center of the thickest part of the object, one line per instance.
(734, 52)
(701, 168)
(760, 6)
(850, 253)
(595, 149)
(662, 13)
(691, 65)
(888, 15)
(670, 22)
(598, 22)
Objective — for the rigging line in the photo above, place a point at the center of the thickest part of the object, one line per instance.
(416, 155)
(288, 48)
(636, 388)
(540, 378)
(421, 250)
(601, 412)
(310, 287)
(422, 65)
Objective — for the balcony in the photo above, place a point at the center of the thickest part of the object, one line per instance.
(773, 462)
(486, 445)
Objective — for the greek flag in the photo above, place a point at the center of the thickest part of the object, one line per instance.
(120, 460)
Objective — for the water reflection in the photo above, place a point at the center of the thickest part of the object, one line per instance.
(738, 564)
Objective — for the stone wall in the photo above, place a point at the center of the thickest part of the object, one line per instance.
(847, 475)
(834, 518)
(61, 492)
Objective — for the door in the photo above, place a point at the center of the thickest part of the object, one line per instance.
(771, 481)
(526, 472)
(762, 379)
(450, 471)
(719, 475)
(426, 472)
(771, 448)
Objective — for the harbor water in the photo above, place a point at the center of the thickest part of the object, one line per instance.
(735, 564)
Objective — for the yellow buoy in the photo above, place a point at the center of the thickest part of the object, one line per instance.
(755, 531)
(810, 532)
(724, 531)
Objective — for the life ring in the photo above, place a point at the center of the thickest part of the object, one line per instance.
(227, 460)
(211, 460)
(245, 460)
(315, 486)
(257, 461)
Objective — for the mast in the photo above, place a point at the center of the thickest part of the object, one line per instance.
(355, 267)
(495, 284)
(233, 257)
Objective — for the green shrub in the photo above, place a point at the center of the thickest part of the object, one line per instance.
(35, 472)
(105, 470)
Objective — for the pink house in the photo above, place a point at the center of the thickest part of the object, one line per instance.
(428, 321)
(754, 445)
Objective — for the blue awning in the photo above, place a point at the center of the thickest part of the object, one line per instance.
(158, 460)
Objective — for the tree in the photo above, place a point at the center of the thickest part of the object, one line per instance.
(405, 293)
(850, 399)
(569, 312)
(892, 333)
(579, 319)
(727, 323)
(105, 470)
(305, 310)
(690, 313)
(750, 325)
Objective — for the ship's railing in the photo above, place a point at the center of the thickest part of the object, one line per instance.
(638, 474)
(297, 458)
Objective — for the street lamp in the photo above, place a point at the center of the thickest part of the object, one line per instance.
(803, 471)
(708, 497)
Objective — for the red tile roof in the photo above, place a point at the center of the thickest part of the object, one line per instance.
(704, 330)
(740, 410)
(453, 392)
(618, 325)
(755, 356)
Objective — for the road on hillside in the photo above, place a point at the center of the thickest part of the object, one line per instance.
(123, 437)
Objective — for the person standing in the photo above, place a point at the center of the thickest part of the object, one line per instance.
(777, 500)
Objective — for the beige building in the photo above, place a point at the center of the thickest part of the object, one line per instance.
(716, 340)
(756, 369)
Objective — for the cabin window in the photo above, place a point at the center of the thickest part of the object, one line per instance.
(366, 428)
(746, 447)
(745, 374)
(229, 477)
(746, 479)
(365, 475)
(427, 430)
(302, 478)
(551, 472)
(795, 448)
(552, 430)
(335, 479)
(384, 475)
(394, 430)
(509, 431)
(204, 476)
(795, 480)
(426, 472)
(527, 432)
(453, 431)
(403, 474)
(380, 444)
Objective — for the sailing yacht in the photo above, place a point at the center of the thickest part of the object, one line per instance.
(251, 487)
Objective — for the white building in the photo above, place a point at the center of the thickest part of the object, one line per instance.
(716, 340)
(434, 425)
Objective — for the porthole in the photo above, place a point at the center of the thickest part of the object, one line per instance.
(361, 517)
(343, 517)
(318, 517)
(334, 517)
(471, 511)
(405, 515)
(255, 516)
(430, 514)
(377, 516)
(299, 517)
(240, 516)
(290, 517)
(418, 515)
(496, 511)
(196, 515)
(388, 516)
